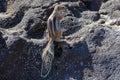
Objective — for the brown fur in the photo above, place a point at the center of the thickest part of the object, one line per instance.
(54, 34)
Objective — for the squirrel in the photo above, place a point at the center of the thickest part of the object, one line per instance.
(54, 35)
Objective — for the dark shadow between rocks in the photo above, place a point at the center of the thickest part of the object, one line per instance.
(36, 29)
(3, 50)
(87, 3)
(3, 5)
(93, 5)
(21, 60)
(14, 19)
(11, 58)
(38, 34)
(71, 60)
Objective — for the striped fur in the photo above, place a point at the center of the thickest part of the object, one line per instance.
(54, 28)
(54, 34)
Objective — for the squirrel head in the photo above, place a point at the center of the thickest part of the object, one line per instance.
(61, 10)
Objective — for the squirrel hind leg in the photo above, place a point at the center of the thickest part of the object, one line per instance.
(47, 60)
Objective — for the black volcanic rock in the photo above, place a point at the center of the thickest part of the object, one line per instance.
(90, 51)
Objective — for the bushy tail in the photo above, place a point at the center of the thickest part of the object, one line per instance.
(47, 58)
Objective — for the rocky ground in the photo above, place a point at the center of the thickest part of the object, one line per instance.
(91, 50)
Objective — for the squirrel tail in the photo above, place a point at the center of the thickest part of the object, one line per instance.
(47, 59)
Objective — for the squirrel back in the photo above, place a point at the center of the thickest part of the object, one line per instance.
(54, 34)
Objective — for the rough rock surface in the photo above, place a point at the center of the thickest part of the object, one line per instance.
(91, 50)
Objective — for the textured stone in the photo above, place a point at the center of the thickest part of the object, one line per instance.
(90, 51)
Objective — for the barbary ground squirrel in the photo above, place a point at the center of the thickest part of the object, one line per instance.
(54, 34)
